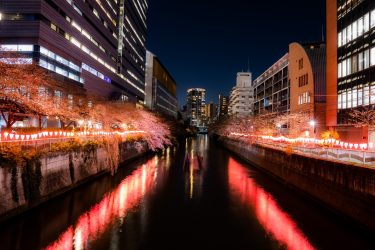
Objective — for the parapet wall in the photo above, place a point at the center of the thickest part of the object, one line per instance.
(25, 187)
(348, 189)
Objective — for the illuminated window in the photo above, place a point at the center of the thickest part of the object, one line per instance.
(366, 59)
(360, 26)
(349, 105)
(344, 100)
(372, 56)
(360, 61)
(366, 23)
(372, 94)
(366, 98)
(355, 30)
(53, 26)
(360, 96)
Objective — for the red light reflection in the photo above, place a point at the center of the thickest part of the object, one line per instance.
(114, 205)
(275, 221)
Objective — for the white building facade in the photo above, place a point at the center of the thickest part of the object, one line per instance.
(242, 96)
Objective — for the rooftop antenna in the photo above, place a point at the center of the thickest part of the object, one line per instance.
(248, 65)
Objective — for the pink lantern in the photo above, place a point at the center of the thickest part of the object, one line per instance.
(346, 145)
(356, 146)
(17, 137)
(11, 136)
(6, 135)
(371, 145)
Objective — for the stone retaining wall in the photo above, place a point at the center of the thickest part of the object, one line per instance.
(348, 189)
(22, 188)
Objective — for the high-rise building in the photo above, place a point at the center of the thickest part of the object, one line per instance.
(196, 102)
(223, 105)
(211, 112)
(161, 88)
(272, 89)
(96, 45)
(242, 96)
(350, 64)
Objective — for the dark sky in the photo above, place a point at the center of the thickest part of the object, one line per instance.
(204, 43)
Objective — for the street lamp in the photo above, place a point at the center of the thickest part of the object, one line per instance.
(279, 128)
(313, 125)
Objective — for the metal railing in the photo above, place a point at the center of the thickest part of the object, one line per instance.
(365, 158)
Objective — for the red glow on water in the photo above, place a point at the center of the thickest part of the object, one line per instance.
(114, 206)
(275, 221)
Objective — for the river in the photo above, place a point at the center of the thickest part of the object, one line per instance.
(196, 196)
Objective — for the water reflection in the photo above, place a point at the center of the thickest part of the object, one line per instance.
(274, 220)
(114, 207)
(195, 164)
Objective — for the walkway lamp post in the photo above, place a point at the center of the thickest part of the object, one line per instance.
(313, 125)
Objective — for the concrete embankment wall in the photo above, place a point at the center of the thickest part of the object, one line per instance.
(348, 189)
(22, 188)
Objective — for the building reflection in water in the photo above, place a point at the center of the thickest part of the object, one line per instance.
(113, 208)
(276, 222)
(195, 165)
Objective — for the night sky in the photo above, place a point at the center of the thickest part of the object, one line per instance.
(204, 43)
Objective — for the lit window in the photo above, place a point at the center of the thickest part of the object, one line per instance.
(86, 34)
(75, 25)
(360, 26)
(366, 23)
(354, 98)
(61, 71)
(366, 59)
(27, 48)
(372, 56)
(77, 9)
(349, 33)
(360, 96)
(51, 54)
(366, 95)
(372, 19)
(340, 39)
(75, 42)
(9, 47)
(355, 30)
(344, 36)
(53, 26)
(372, 94)
(43, 63)
(360, 61)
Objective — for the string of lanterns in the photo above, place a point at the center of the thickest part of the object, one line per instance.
(331, 142)
(14, 137)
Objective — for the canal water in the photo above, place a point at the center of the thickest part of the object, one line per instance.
(196, 196)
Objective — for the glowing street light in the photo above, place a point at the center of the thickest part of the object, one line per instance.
(313, 125)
